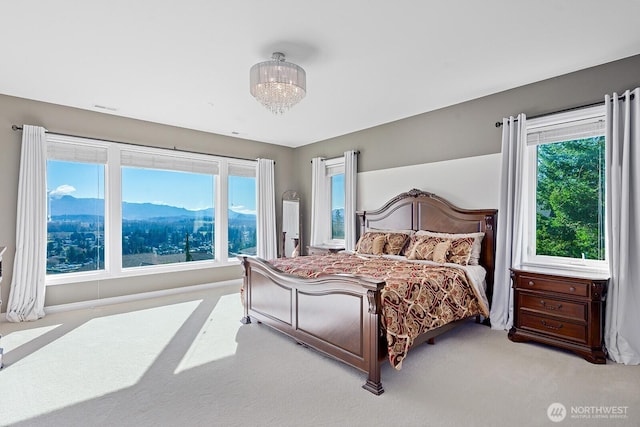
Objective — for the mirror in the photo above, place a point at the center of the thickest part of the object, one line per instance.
(290, 224)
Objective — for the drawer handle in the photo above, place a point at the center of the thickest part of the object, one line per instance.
(572, 289)
(548, 326)
(549, 306)
(531, 283)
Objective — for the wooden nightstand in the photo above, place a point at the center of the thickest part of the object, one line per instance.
(560, 309)
(324, 249)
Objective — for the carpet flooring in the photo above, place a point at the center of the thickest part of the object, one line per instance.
(186, 360)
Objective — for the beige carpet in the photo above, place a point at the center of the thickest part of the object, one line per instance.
(185, 360)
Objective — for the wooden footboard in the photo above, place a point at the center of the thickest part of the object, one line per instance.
(338, 315)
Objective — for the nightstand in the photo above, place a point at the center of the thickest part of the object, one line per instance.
(560, 309)
(324, 249)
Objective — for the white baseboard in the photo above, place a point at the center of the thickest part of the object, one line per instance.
(136, 297)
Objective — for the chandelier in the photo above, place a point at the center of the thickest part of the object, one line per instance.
(276, 84)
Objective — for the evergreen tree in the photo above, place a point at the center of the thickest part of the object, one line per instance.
(188, 257)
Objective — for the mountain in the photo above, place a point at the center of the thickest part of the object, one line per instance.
(68, 206)
(337, 214)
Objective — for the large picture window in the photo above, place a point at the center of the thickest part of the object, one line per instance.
(566, 191)
(167, 217)
(117, 209)
(75, 217)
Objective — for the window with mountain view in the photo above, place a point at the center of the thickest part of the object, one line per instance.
(567, 172)
(242, 229)
(119, 209)
(167, 217)
(337, 207)
(75, 217)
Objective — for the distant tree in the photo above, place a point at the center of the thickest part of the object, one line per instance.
(337, 229)
(188, 257)
(569, 190)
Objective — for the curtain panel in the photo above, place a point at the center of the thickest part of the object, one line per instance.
(622, 134)
(350, 187)
(27, 291)
(266, 207)
(510, 227)
(320, 203)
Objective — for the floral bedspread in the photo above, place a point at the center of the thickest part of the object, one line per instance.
(417, 297)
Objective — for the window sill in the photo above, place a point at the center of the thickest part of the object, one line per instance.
(70, 278)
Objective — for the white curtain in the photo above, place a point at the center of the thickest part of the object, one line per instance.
(622, 324)
(266, 206)
(26, 295)
(350, 186)
(320, 203)
(511, 214)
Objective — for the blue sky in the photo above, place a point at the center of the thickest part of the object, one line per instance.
(337, 191)
(185, 190)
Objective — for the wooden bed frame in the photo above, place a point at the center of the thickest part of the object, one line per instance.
(339, 315)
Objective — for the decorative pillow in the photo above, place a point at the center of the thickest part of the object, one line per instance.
(441, 251)
(377, 246)
(395, 242)
(460, 250)
(365, 243)
(474, 259)
(423, 247)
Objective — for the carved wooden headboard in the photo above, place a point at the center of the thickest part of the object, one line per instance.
(420, 210)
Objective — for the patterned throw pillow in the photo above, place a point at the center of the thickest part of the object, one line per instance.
(365, 244)
(377, 246)
(476, 249)
(441, 251)
(460, 250)
(423, 247)
(395, 242)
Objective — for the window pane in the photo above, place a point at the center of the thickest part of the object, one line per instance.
(167, 217)
(75, 217)
(570, 199)
(242, 216)
(337, 207)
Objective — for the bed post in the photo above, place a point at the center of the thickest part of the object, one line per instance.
(245, 290)
(373, 384)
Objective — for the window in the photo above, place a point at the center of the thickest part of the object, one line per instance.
(337, 207)
(242, 225)
(167, 216)
(335, 187)
(117, 209)
(75, 216)
(566, 190)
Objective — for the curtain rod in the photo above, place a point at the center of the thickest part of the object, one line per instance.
(593, 104)
(336, 157)
(16, 127)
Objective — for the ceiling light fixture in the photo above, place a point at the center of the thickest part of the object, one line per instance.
(277, 84)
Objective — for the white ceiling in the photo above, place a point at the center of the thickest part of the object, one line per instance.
(368, 62)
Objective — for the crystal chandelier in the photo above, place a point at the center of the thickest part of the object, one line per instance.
(278, 85)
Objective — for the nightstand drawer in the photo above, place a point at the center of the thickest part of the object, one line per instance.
(549, 326)
(543, 305)
(552, 285)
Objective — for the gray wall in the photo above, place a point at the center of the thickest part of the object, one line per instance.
(74, 121)
(466, 129)
(458, 131)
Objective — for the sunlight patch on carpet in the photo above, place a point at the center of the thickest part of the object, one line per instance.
(16, 339)
(217, 337)
(99, 357)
